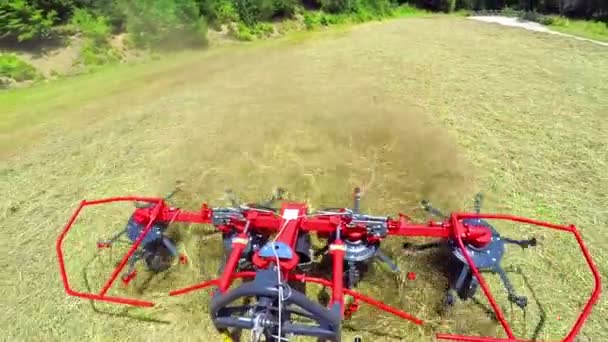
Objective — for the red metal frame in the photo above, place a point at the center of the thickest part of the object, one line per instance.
(455, 220)
(323, 226)
(102, 295)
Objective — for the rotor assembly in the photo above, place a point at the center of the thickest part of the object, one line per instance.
(269, 246)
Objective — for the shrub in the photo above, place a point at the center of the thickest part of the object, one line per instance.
(375, 7)
(219, 11)
(337, 6)
(13, 67)
(263, 30)
(253, 11)
(285, 8)
(247, 33)
(311, 20)
(165, 23)
(94, 54)
(21, 20)
(110, 9)
(93, 27)
(242, 32)
(226, 12)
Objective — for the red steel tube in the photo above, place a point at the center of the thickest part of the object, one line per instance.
(421, 231)
(572, 229)
(463, 216)
(59, 250)
(595, 295)
(363, 298)
(456, 225)
(337, 250)
(398, 228)
(112, 299)
(476, 338)
(209, 283)
(238, 246)
(131, 251)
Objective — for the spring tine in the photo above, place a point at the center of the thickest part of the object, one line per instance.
(383, 257)
(231, 197)
(357, 200)
(280, 192)
(478, 202)
(427, 206)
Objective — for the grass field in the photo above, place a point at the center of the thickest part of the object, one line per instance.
(436, 108)
(596, 30)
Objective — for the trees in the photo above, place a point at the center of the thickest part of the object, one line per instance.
(151, 22)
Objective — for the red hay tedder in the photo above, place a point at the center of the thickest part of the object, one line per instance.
(270, 249)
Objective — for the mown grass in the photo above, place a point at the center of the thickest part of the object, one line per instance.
(435, 108)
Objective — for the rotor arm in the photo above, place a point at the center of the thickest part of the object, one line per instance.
(143, 215)
(522, 243)
(474, 235)
(520, 301)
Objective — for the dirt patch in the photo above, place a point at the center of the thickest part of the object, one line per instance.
(56, 61)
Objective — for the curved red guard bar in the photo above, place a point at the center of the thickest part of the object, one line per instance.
(454, 222)
(457, 226)
(101, 296)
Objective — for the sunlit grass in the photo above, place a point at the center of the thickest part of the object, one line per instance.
(424, 108)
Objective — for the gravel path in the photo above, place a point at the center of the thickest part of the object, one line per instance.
(529, 25)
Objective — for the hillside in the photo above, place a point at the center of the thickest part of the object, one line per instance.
(434, 108)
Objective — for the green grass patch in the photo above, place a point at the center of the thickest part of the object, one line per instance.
(590, 29)
(315, 19)
(13, 67)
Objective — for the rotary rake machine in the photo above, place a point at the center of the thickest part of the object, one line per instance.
(269, 248)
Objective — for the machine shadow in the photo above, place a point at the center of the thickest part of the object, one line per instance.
(126, 312)
(437, 261)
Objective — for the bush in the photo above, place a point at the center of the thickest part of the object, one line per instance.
(109, 9)
(246, 33)
(285, 8)
(93, 27)
(311, 20)
(219, 11)
(253, 11)
(94, 54)
(242, 32)
(337, 6)
(375, 7)
(226, 12)
(13, 67)
(21, 20)
(165, 23)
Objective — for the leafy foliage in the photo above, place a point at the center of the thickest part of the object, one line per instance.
(22, 20)
(165, 23)
(13, 67)
(219, 11)
(153, 22)
(337, 6)
(93, 54)
(93, 27)
(96, 49)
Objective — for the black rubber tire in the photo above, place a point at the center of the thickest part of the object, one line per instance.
(251, 289)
